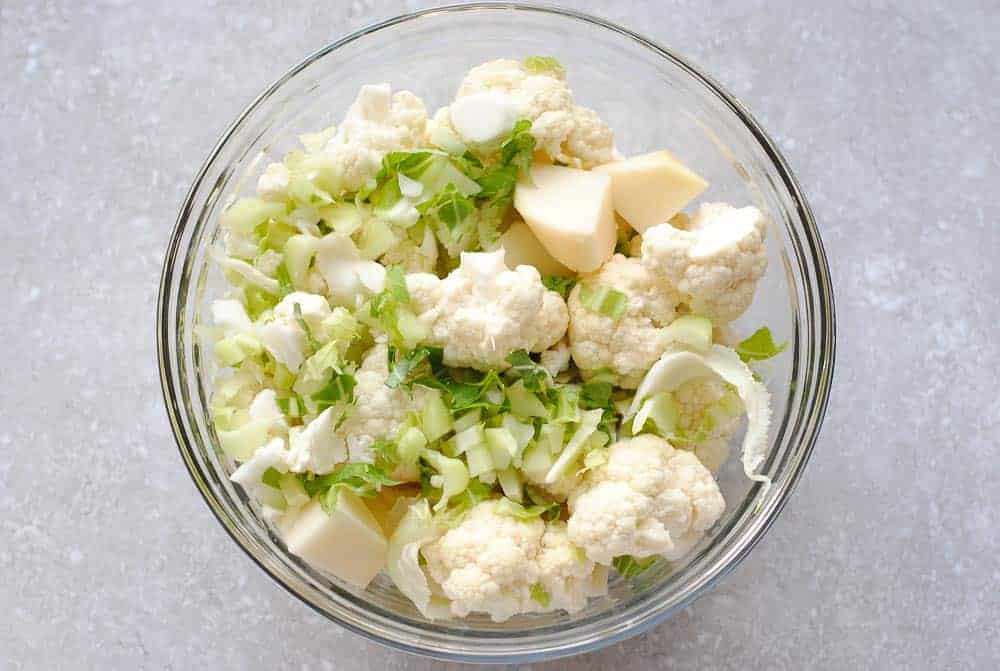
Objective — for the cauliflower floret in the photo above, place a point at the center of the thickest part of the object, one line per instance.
(376, 123)
(283, 336)
(415, 258)
(556, 359)
(265, 407)
(565, 572)
(648, 498)
(566, 132)
(273, 182)
(490, 562)
(483, 311)
(250, 476)
(715, 263)
(630, 345)
(315, 447)
(377, 411)
(698, 403)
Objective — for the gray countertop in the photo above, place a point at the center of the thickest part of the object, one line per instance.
(886, 556)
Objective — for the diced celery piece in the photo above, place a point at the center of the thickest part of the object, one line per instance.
(434, 417)
(410, 328)
(510, 483)
(567, 405)
(479, 459)
(299, 252)
(283, 378)
(551, 437)
(574, 448)
(410, 445)
(469, 438)
(237, 347)
(293, 491)
(693, 331)
(467, 420)
(441, 174)
(452, 471)
(343, 218)
(503, 447)
(524, 403)
(488, 477)
(246, 214)
(241, 443)
(536, 462)
(277, 236)
(603, 299)
(377, 237)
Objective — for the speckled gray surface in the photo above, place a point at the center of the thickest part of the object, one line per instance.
(886, 556)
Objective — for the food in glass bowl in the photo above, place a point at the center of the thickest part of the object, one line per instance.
(484, 352)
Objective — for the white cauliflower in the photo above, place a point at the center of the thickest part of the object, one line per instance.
(250, 476)
(415, 258)
(315, 448)
(376, 123)
(273, 182)
(490, 562)
(631, 344)
(715, 263)
(264, 407)
(648, 498)
(707, 405)
(483, 311)
(378, 411)
(282, 335)
(568, 133)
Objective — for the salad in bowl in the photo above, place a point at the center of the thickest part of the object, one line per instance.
(484, 353)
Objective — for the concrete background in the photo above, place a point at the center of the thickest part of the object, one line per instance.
(886, 556)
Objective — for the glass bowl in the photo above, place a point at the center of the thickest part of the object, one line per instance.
(653, 99)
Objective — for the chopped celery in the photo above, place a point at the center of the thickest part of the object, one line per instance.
(316, 371)
(453, 472)
(510, 483)
(759, 346)
(574, 448)
(479, 459)
(536, 462)
(551, 437)
(468, 419)
(567, 405)
(469, 438)
(521, 432)
(411, 330)
(503, 447)
(341, 327)
(293, 491)
(376, 238)
(343, 218)
(246, 214)
(241, 443)
(523, 403)
(299, 252)
(237, 347)
(544, 65)
(410, 445)
(603, 299)
(693, 331)
(258, 301)
(540, 595)
(434, 417)
(283, 378)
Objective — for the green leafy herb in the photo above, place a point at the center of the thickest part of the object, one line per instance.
(629, 567)
(395, 284)
(475, 493)
(363, 480)
(519, 149)
(523, 367)
(449, 207)
(759, 346)
(596, 394)
(539, 595)
(405, 369)
(549, 512)
(544, 64)
(603, 299)
(561, 285)
(340, 389)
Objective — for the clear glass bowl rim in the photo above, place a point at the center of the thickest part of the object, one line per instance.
(561, 643)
